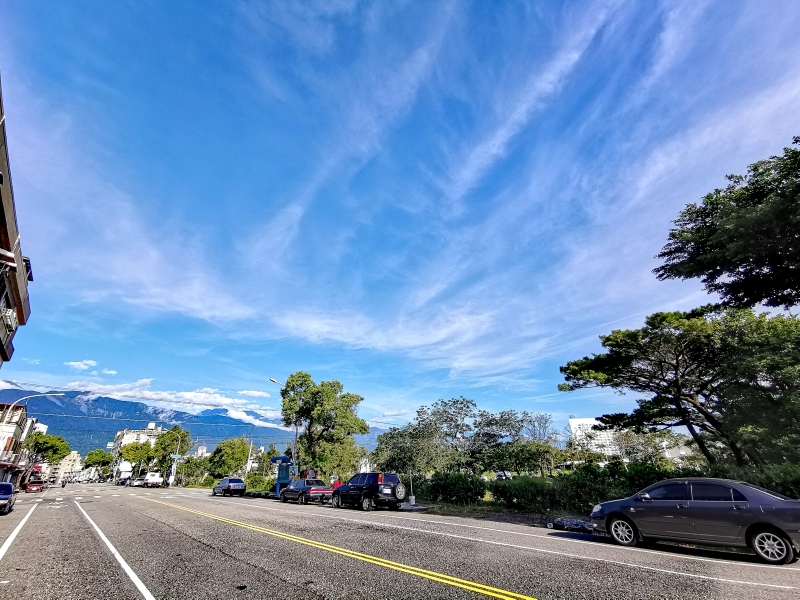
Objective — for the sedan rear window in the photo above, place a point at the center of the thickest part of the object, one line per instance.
(313, 482)
(766, 491)
(235, 481)
(711, 492)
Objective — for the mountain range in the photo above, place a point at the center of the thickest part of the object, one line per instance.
(88, 421)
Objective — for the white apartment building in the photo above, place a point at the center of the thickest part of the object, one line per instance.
(68, 467)
(601, 442)
(201, 452)
(121, 467)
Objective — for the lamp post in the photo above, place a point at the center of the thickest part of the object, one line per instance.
(294, 448)
(18, 400)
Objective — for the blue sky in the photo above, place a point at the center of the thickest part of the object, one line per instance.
(422, 200)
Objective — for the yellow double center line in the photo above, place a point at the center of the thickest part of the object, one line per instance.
(381, 562)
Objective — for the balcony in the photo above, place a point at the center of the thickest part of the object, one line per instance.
(9, 458)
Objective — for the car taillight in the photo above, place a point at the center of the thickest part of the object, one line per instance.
(229, 487)
(380, 477)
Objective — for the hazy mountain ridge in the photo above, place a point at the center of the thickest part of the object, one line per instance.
(88, 421)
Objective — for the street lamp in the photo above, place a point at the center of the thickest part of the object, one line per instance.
(18, 400)
(294, 448)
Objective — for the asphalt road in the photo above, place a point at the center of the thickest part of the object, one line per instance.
(102, 541)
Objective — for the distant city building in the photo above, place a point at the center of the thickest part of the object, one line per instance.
(15, 269)
(40, 427)
(201, 452)
(121, 467)
(601, 442)
(69, 466)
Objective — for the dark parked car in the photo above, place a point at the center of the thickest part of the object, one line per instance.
(307, 490)
(709, 511)
(230, 486)
(368, 490)
(7, 498)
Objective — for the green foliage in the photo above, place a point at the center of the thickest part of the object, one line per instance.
(731, 378)
(173, 441)
(340, 459)
(192, 471)
(138, 454)
(456, 488)
(98, 458)
(259, 483)
(229, 457)
(48, 448)
(742, 240)
(325, 411)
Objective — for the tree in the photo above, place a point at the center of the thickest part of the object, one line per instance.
(138, 454)
(229, 457)
(192, 471)
(342, 458)
(719, 374)
(743, 241)
(173, 441)
(325, 411)
(415, 448)
(46, 447)
(98, 458)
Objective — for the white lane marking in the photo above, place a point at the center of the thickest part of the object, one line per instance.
(78, 497)
(59, 499)
(96, 496)
(568, 554)
(134, 578)
(118, 494)
(4, 548)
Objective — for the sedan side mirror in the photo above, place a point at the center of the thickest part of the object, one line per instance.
(644, 496)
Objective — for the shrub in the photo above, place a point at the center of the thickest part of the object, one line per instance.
(421, 489)
(784, 478)
(456, 488)
(259, 483)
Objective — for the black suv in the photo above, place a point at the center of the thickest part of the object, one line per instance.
(368, 490)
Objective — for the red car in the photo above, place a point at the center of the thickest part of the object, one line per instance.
(307, 490)
(34, 486)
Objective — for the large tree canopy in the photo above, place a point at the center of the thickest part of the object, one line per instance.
(325, 411)
(98, 458)
(743, 241)
(718, 374)
(229, 457)
(46, 447)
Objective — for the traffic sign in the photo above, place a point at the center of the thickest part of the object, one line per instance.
(110, 445)
(176, 456)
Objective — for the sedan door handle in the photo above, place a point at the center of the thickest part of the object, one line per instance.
(683, 506)
(737, 507)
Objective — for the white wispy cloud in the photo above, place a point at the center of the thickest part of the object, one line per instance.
(241, 415)
(32, 361)
(109, 372)
(81, 365)
(254, 393)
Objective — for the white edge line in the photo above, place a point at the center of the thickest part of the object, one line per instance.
(568, 554)
(4, 548)
(134, 578)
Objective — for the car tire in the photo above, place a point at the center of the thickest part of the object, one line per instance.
(213, 492)
(283, 497)
(366, 503)
(773, 547)
(623, 531)
(301, 499)
(336, 501)
(400, 491)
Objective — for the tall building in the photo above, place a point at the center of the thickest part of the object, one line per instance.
(121, 467)
(68, 467)
(15, 427)
(15, 269)
(601, 442)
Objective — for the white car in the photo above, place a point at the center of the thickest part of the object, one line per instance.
(153, 479)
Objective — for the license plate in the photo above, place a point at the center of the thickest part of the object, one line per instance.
(387, 491)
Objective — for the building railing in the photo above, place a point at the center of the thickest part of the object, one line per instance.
(8, 457)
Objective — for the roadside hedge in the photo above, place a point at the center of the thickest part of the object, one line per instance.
(259, 483)
(456, 488)
(578, 491)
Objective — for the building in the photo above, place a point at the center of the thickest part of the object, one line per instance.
(120, 467)
(201, 452)
(15, 269)
(601, 442)
(15, 426)
(69, 466)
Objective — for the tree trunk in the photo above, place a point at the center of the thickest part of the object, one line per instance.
(700, 443)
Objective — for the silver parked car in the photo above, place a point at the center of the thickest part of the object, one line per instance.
(230, 486)
(707, 511)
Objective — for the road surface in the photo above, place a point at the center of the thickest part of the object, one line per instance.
(102, 541)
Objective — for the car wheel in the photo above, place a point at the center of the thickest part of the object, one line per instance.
(623, 531)
(366, 504)
(283, 497)
(213, 492)
(301, 499)
(400, 491)
(336, 501)
(773, 547)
